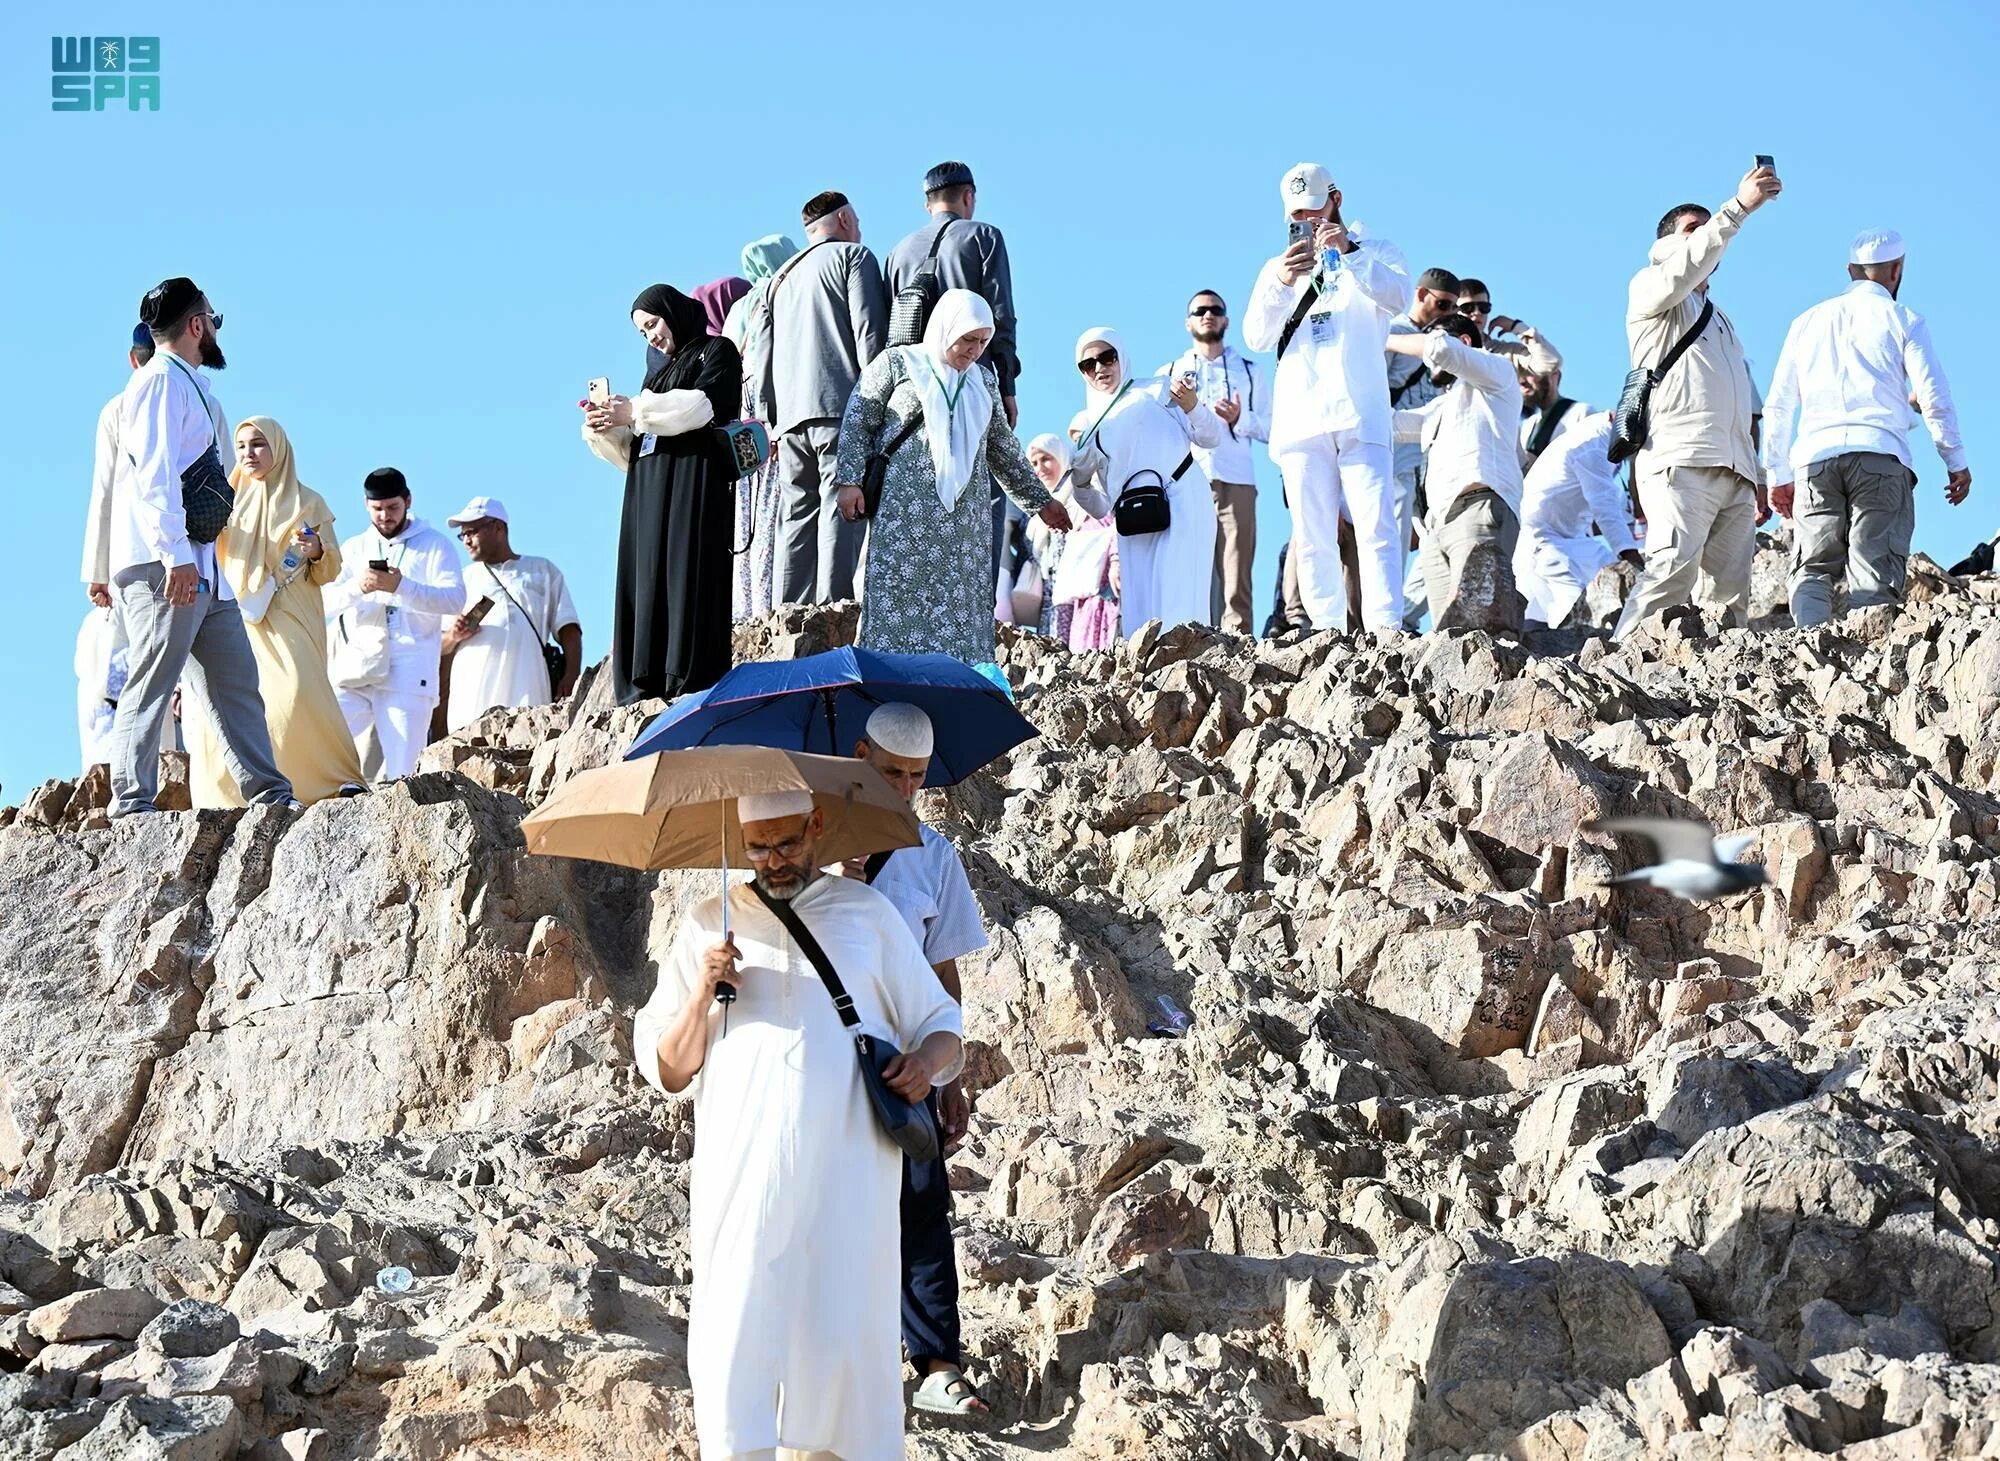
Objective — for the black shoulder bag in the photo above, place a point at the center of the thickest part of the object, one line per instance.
(1631, 421)
(1143, 506)
(910, 310)
(553, 654)
(207, 495)
(875, 471)
(907, 1123)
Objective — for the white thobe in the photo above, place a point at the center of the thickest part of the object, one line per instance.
(1164, 576)
(502, 664)
(793, 1336)
(1571, 486)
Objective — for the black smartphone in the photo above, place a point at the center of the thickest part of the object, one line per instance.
(380, 565)
(1764, 160)
(480, 610)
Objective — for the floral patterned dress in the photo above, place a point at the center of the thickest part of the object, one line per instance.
(927, 583)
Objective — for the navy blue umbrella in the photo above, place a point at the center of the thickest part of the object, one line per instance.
(821, 704)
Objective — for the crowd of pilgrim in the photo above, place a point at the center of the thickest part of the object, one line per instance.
(1433, 468)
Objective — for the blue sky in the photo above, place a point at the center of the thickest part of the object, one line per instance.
(425, 222)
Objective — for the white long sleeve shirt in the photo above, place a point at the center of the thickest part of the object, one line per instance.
(1844, 381)
(167, 418)
(431, 591)
(1573, 484)
(103, 473)
(1229, 374)
(1471, 433)
(1331, 377)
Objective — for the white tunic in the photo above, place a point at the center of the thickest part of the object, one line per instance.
(1571, 486)
(502, 664)
(793, 1337)
(1164, 576)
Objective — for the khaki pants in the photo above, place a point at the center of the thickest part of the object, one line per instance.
(1698, 519)
(1235, 551)
(1468, 562)
(1854, 512)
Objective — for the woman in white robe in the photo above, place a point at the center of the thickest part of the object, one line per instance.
(794, 1331)
(1129, 427)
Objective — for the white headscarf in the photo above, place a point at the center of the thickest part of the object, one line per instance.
(953, 431)
(1095, 400)
(1056, 446)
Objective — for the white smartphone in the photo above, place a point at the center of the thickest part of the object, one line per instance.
(600, 390)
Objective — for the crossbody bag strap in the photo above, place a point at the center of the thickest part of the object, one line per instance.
(1299, 313)
(1681, 346)
(872, 869)
(843, 1003)
(942, 228)
(1545, 429)
(214, 433)
(494, 574)
(1181, 471)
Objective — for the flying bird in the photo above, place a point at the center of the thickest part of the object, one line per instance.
(1689, 859)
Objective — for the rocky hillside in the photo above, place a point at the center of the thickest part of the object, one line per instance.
(1464, 1153)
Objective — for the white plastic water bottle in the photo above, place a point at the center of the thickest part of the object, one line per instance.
(395, 1279)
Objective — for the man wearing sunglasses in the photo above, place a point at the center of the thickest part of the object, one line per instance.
(1227, 383)
(1324, 306)
(178, 612)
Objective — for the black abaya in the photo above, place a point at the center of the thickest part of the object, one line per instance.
(671, 616)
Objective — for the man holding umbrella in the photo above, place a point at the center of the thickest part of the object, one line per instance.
(793, 1187)
(928, 885)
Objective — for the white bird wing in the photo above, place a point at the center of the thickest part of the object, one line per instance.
(1731, 848)
(1673, 839)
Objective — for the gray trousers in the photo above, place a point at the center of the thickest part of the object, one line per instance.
(1853, 512)
(817, 550)
(204, 639)
(1468, 562)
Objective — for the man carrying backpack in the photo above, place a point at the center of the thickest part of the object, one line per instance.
(954, 252)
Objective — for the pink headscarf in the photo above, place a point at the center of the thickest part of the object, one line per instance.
(716, 297)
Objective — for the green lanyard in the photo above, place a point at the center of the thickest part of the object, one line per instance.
(950, 396)
(207, 410)
(1081, 441)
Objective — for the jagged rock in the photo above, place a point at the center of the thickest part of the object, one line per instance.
(1463, 1151)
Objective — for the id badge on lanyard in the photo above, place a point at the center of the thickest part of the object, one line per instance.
(648, 444)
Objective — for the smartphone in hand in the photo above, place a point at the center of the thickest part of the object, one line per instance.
(1764, 160)
(599, 391)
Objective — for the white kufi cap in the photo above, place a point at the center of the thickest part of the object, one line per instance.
(1876, 246)
(773, 806)
(901, 730)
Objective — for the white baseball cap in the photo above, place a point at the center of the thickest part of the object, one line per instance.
(1308, 185)
(1876, 246)
(479, 507)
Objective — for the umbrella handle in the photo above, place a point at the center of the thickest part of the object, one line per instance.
(725, 994)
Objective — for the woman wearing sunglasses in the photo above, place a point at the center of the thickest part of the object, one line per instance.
(1137, 435)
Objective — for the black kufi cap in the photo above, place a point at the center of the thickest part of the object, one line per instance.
(947, 175)
(168, 303)
(821, 204)
(385, 482)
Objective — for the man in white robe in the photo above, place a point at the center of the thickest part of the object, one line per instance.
(1572, 486)
(794, 1230)
(493, 654)
(929, 888)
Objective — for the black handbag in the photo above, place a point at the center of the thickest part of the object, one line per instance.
(207, 496)
(875, 471)
(1631, 419)
(1143, 506)
(910, 310)
(908, 1124)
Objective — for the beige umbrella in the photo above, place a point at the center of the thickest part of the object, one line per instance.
(678, 808)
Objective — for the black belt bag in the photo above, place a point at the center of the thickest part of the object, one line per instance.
(1142, 505)
(1632, 417)
(907, 1123)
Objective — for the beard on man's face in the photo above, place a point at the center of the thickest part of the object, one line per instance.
(1208, 334)
(784, 882)
(211, 353)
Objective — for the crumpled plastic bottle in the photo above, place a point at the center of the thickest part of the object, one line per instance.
(1172, 1021)
(395, 1279)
